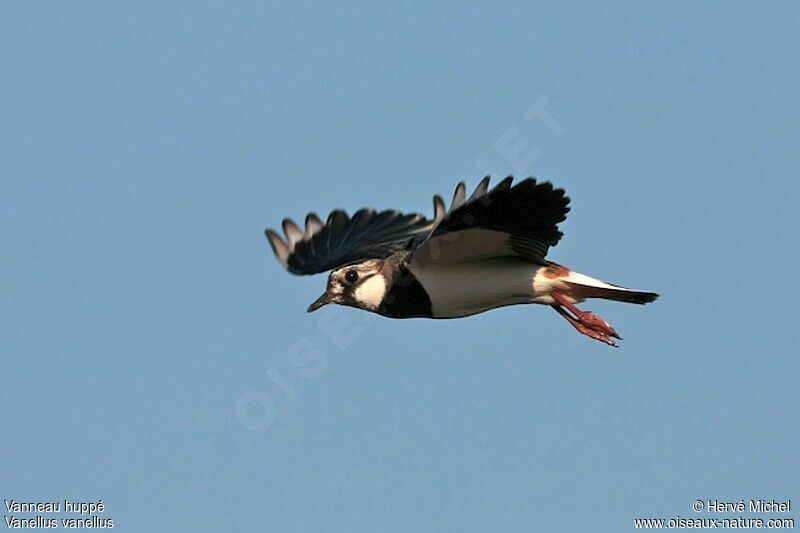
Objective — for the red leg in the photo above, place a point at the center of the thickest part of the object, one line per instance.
(586, 330)
(585, 318)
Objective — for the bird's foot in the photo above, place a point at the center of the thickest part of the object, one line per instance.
(591, 320)
(586, 322)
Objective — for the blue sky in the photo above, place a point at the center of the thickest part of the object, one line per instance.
(157, 357)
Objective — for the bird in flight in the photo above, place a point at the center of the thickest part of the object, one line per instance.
(484, 252)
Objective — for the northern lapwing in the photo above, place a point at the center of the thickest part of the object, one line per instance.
(486, 251)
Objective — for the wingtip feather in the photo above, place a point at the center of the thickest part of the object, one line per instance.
(459, 196)
(279, 247)
(292, 231)
(313, 225)
(480, 190)
(439, 207)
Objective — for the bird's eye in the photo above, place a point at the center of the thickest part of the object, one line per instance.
(351, 276)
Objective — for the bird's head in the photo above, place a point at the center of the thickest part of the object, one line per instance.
(361, 285)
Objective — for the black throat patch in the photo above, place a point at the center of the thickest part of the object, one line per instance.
(406, 298)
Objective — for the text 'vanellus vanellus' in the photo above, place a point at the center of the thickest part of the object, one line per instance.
(484, 252)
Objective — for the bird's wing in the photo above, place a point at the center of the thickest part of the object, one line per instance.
(516, 221)
(343, 239)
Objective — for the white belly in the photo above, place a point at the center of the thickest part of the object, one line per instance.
(463, 289)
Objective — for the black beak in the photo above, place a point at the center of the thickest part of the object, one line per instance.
(319, 302)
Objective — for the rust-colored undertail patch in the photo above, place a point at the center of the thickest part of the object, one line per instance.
(556, 271)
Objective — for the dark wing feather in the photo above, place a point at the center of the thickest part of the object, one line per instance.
(342, 239)
(520, 220)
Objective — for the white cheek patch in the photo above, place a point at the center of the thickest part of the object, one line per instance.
(371, 292)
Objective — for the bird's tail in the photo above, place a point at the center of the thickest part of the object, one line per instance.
(620, 294)
(582, 287)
